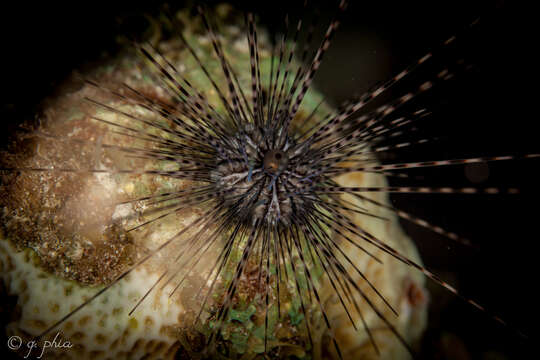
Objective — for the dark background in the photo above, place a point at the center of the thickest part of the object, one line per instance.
(488, 110)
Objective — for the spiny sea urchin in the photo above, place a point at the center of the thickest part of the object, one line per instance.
(256, 179)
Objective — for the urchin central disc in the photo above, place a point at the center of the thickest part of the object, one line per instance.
(275, 161)
(257, 178)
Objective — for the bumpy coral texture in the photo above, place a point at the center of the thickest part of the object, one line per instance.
(65, 237)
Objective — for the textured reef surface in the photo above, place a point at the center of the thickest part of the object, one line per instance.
(67, 234)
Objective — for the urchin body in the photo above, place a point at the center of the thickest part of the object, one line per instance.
(264, 178)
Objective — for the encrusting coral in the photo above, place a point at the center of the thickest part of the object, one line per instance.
(65, 235)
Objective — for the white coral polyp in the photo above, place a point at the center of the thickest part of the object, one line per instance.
(109, 332)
